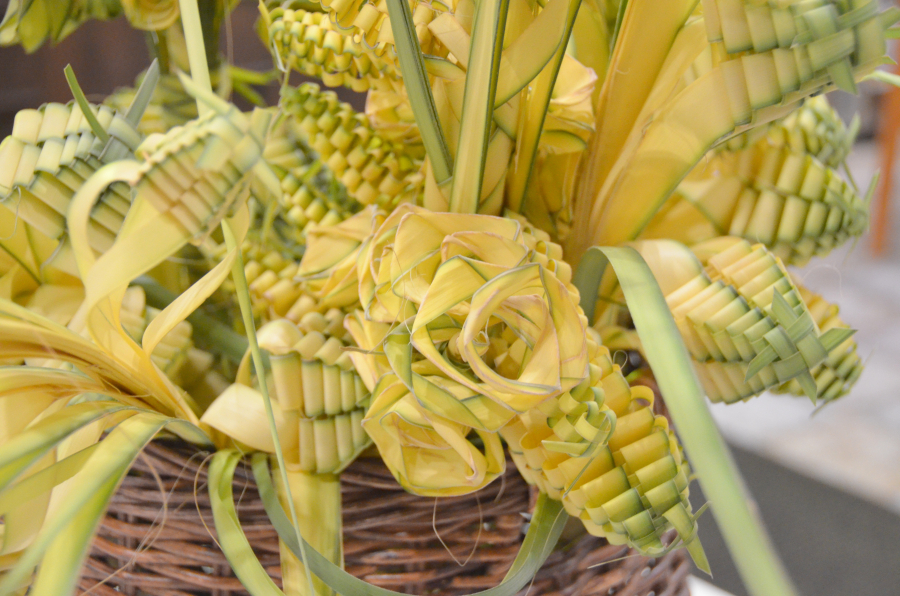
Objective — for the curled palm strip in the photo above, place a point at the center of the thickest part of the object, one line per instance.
(330, 266)
(427, 453)
(172, 352)
(744, 321)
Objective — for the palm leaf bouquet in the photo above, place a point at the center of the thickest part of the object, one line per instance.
(534, 188)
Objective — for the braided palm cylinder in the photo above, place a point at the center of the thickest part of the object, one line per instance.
(47, 158)
(196, 172)
(629, 487)
(373, 169)
(310, 43)
(742, 318)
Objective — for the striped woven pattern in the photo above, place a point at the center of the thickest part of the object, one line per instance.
(49, 155)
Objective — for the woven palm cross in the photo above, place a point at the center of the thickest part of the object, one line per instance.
(794, 346)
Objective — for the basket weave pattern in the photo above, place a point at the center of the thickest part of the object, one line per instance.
(390, 538)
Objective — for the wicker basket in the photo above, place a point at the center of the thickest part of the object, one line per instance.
(390, 538)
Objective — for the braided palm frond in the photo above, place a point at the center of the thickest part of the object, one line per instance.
(373, 169)
(815, 128)
(756, 71)
(310, 43)
(797, 207)
(49, 155)
(633, 487)
(30, 23)
(775, 191)
(276, 291)
(197, 172)
(741, 316)
(806, 45)
(320, 399)
(366, 23)
(311, 193)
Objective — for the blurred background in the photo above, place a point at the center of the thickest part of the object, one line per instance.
(827, 482)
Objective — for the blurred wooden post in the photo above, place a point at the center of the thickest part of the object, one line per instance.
(888, 130)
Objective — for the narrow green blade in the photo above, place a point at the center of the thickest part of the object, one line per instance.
(412, 67)
(232, 539)
(65, 555)
(82, 102)
(478, 104)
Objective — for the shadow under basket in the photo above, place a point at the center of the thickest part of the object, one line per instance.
(391, 538)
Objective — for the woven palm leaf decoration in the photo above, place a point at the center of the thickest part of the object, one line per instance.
(312, 44)
(783, 190)
(372, 168)
(743, 318)
(50, 154)
(440, 280)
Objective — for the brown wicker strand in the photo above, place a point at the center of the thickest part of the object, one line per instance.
(391, 538)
